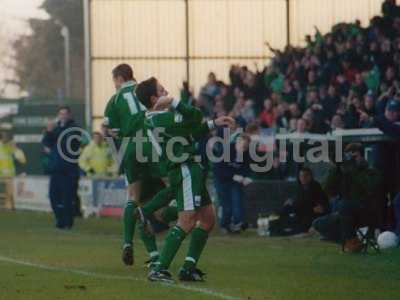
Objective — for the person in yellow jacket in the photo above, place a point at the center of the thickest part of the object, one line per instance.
(8, 153)
(96, 159)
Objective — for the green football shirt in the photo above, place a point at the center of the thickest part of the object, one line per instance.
(124, 113)
(185, 124)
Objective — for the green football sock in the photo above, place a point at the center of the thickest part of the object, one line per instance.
(197, 243)
(161, 199)
(169, 214)
(129, 220)
(172, 243)
(149, 241)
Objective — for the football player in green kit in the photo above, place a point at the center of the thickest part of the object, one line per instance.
(196, 214)
(124, 117)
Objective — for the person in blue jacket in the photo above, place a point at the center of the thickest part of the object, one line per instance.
(231, 177)
(61, 142)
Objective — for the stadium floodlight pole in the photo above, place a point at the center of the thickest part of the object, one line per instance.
(288, 22)
(88, 85)
(67, 57)
(67, 61)
(187, 42)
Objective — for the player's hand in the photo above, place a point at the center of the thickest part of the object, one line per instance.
(363, 115)
(238, 178)
(247, 181)
(266, 43)
(288, 202)
(46, 150)
(163, 103)
(318, 209)
(225, 121)
(316, 107)
(50, 126)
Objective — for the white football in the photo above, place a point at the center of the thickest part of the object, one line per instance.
(387, 240)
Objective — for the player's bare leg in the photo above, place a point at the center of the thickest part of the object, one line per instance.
(205, 223)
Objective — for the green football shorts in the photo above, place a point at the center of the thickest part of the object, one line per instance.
(135, 170)
(188, 182)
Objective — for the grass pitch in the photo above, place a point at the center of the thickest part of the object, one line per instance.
(39, 262)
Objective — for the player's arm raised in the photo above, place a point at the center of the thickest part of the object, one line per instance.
(188, 112)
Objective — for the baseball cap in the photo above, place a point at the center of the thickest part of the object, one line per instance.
(393, 105)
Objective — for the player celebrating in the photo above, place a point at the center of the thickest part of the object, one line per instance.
(124, 117)
(186, 177)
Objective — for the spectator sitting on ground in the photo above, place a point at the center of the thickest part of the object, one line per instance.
(96, 160)
(310, 203)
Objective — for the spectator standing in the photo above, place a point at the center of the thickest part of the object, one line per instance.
(331, 102)
(9, 153)
(209, 92)
(231, 177)
(301, 126)
(387, 154)
(61, 142)
(337, 122)
(267, 116)
(96, 159)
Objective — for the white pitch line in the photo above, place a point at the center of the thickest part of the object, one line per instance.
(204, 291)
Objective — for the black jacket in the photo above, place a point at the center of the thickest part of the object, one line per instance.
(390, 128)
(63, 142)
(309, 197)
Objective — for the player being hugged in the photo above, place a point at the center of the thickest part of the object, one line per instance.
(167, 119)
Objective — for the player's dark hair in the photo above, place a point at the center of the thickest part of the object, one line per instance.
(145, 90)
(306, 170)
(64, 107)
(123, 70)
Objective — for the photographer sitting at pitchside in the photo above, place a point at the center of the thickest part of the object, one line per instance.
(356, 192)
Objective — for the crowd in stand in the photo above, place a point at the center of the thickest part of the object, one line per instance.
(336, 81)
(345, 79)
